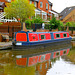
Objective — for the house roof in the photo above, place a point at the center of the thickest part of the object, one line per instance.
(50, 3)
(66, 11)
(55, 11)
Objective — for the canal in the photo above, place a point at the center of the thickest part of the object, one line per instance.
(39, 62)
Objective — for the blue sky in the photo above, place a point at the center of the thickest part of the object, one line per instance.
(59, 5)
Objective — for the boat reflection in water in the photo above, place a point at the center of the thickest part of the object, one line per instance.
(30, 60)
(35, 62)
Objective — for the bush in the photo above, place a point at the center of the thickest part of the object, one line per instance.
(37, 20)
(68, 24)
(1, 23)
(29, 22)
(73, 24)
(47, 26)
(54, 24)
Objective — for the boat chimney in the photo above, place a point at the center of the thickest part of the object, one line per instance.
(24, 27)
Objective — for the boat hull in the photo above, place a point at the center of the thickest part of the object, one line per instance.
(41, 46)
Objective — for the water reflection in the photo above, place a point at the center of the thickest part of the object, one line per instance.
(62, 67)
(71, 56)
(36, 62)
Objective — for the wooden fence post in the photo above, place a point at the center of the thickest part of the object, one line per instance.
(8, 28)
(12, 31)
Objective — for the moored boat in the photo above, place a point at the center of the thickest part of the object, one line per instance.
(28, 40)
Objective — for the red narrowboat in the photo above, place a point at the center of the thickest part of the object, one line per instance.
(28, 40)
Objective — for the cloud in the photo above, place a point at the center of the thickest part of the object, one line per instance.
(59, 5)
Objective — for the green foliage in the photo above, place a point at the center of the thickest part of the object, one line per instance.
(68, 24)
(61, 26)
(28, 23)
(1, 23)
(47, 26)
(54, 24)
(73, 24)
(37, 20)
(20, 9)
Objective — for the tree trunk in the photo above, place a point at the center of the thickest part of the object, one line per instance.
(67, 28)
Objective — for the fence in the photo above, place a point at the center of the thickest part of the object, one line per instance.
(9, 29)
(14, 28)
(34, 26)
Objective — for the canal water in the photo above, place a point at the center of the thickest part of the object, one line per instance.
(39, 62)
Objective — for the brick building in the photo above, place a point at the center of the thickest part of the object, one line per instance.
(68, 14)
(43, 9)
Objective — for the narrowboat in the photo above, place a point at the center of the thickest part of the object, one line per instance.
(33, 40)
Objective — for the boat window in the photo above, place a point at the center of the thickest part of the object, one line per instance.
(65, 35)
(33, 37)
(57, 54)
(64, 52)
(57, 35)
(42, 36)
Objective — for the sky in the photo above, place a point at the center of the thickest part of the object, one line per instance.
(60, 5)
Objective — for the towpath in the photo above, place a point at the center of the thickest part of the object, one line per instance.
(5, 44)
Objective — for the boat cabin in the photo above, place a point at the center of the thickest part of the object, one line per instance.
(40, 36)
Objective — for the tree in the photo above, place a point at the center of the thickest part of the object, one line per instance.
(73, 24)
(37, 19)
(54, 24)
(68, 24)
(20, 9)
